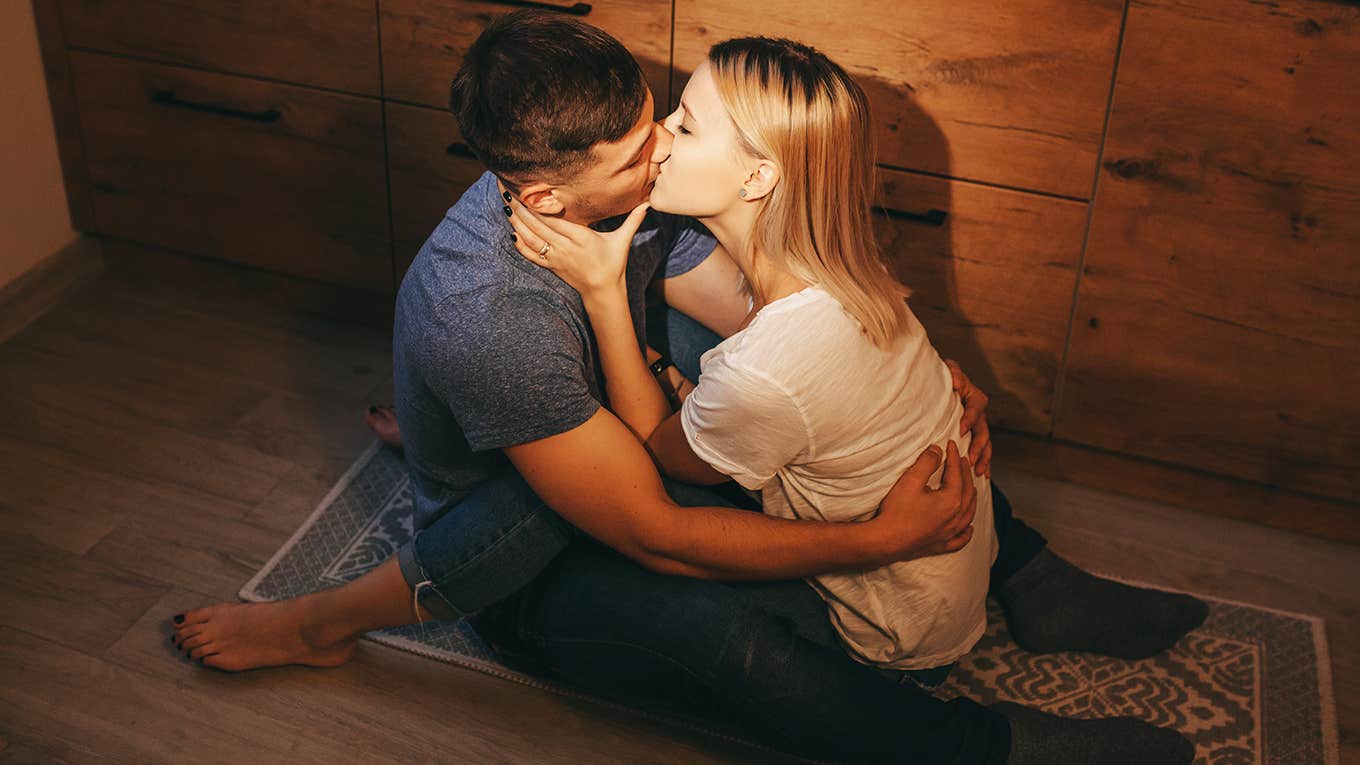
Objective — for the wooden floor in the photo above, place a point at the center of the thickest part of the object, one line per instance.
(163, 431)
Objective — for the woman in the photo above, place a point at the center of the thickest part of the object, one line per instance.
(831, 378)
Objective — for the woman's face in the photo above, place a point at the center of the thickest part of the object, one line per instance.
(707, 165)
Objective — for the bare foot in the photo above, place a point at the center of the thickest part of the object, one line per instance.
(240, 636)
(382, 420)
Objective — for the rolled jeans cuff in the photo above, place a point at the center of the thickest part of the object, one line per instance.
(423, 589)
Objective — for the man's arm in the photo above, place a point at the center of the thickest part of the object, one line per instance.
(599, 478)
(710, 293)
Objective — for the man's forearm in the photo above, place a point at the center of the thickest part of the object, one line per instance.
(727, 544)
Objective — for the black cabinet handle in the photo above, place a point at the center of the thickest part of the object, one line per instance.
(168, 98)
(460, 150)
(579, 9)
(933, 216)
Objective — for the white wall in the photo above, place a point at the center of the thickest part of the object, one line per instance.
(34, 219)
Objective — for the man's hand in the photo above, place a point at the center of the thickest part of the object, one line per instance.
(974, 419)
(917, 521)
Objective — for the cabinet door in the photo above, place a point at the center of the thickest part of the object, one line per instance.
(325, 43)
(424, 40)
(1218, 320)
(276, 176)
(993, 272)
(1013, 94)
(429, 168)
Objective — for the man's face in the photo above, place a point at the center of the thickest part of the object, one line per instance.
(620, 174)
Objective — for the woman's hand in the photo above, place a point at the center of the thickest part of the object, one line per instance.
(592, 262)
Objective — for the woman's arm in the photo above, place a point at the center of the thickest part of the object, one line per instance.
(634, 394)
(595, 265)
(675, 458)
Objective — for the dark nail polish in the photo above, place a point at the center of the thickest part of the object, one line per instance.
(514, 238)
(506, 194)
(179, 618)
(506, 210)
(373, 410)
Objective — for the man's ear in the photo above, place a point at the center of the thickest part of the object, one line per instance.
(762, 180)
(541, 198)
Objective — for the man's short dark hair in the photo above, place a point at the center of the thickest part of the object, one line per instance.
(538, 89)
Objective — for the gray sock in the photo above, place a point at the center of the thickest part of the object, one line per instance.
(1051, 605)
(1039, 738)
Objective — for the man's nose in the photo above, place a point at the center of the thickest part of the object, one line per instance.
(662, 150)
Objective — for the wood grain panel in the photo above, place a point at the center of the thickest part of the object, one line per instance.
(423, 41)
(1218, 322)
(272, 175)
(65, 116)
(1013, 95)
(993, 283)
(429, 169)
(326, 43)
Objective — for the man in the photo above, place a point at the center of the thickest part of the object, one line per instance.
(510, 452)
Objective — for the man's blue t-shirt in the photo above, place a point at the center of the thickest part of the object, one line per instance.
(490, 350)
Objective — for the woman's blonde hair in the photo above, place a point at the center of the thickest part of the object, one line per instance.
(796, 107)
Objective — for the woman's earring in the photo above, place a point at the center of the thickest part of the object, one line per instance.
(742, 193)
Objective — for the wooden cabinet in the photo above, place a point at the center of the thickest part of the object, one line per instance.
(429, 169)
(1013, 94)
(424, 40)
(1218, 320)
(273, 175)
(325, 43)
(1205, 213)
(992, 272)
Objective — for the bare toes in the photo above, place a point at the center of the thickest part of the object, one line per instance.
(200, 651)
(191, 618)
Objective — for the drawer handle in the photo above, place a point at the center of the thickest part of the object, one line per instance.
(932, 216)
(460, 150)
(579, 9)
(168, 98)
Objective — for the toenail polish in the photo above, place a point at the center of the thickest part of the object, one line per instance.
(179, 618)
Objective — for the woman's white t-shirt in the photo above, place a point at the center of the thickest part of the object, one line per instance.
(803, 407)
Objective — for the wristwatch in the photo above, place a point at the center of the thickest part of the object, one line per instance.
(660, 365)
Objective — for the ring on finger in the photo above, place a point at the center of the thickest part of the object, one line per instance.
(543, 253)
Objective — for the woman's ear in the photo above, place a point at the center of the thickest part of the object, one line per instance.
(762, 180)
(541, 198)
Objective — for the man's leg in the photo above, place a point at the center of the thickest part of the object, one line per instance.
(762, 662)
(485, 548)
(707, 651)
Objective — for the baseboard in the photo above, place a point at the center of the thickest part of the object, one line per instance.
(1181, 487)
(35, 292)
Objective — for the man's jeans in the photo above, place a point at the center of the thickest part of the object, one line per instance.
(759, 659)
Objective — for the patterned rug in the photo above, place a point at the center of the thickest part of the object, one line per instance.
(1250, 686)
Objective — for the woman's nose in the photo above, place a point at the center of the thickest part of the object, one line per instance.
(662, 150)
